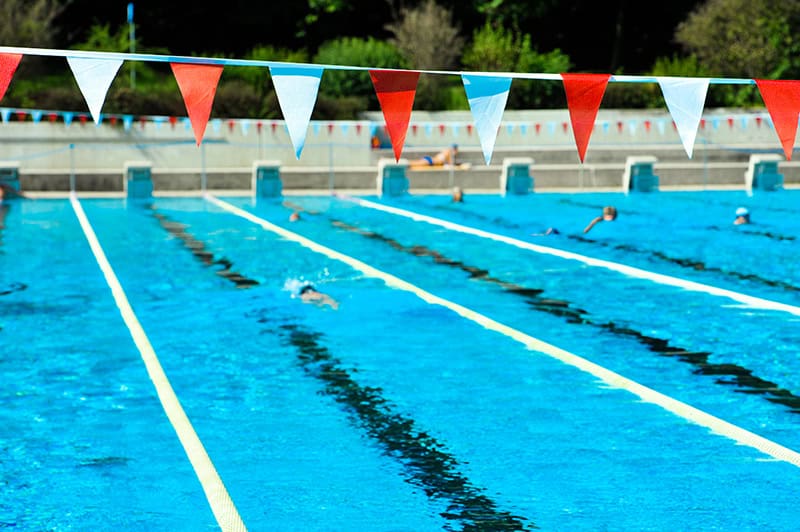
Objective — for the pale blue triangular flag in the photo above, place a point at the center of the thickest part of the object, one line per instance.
(685, 99)
(94, 77)
(296, 88)
(487, 96)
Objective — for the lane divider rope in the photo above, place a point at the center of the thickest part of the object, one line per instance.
(681, 409)
(755, 302)
(221, 504)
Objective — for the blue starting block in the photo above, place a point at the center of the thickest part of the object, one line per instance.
(392, 179)
(137, 179)
(9, 175)
(267, 179)
(762, 173)
(516, 176)
(638, 175)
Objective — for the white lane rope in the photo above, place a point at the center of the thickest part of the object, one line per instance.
(687, 412)
(751, 301)
(221, 504)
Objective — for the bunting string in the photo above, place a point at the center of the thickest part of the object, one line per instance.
(296, 86)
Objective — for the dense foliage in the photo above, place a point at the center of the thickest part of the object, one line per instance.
(722, 38)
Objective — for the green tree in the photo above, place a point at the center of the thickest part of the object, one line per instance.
(344, 93)
(28, 22)
(496, 49)
(744, 38)
(429, 40)
(513, 13)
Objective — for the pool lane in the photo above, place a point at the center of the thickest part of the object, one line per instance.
(727, 374)
(669, 233)
(496, 408)
(610, 378)
(223, 507)
(84, 440)
(428, 464)
(633, 327)
(224, 338)
(741, 378)
(427, 380)
(756, 302)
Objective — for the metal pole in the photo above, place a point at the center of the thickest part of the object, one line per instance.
(330, 167)
(72, 168)
(132, 43)
(203, 177)
(705, 162)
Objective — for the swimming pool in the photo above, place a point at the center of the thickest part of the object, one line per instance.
(643, 376)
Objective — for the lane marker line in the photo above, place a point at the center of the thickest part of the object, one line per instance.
(648, 395)
(751, 301)
(221, 504)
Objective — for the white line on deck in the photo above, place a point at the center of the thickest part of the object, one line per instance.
(221, 504)
(649, 395)
(755, 302)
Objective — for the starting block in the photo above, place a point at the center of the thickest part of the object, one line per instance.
(392, 179)
(516, 176)
(638, 175)
(266, 179)
(762, 173)
(137, 179)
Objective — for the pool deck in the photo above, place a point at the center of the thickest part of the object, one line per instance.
(372, 191)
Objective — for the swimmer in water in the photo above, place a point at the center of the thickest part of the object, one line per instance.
(609, 215)
(309, 294)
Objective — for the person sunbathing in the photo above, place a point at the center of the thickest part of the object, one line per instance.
(445, 157)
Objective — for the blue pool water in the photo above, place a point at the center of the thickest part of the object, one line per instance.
(392, 413)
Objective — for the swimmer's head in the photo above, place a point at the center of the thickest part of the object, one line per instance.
(742, 216)
(609, 213)
(307, 288)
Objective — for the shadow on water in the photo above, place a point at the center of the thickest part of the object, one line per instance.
(691, 264)
(200, 252)
(427, 463)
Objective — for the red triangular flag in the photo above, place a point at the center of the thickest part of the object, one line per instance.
(198, 84)
(396, 90)
(8, 65)
(782, 98)
(584, 94)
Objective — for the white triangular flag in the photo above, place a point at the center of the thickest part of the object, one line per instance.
(94, 77)
(296, 88)
(685, 99)
(487, 96)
